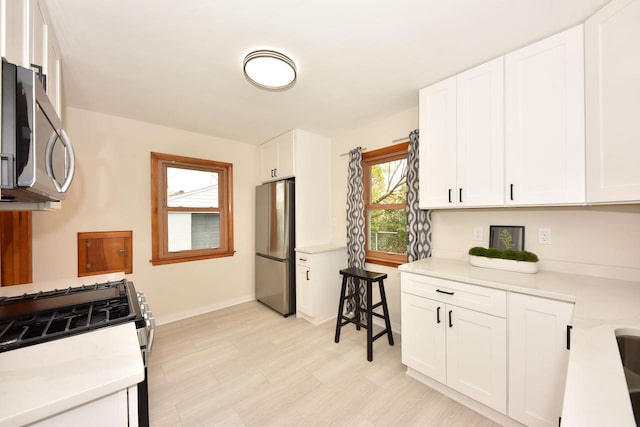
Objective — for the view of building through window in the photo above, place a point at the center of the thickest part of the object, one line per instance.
(188, 188)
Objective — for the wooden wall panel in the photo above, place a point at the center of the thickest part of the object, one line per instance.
(16, 246)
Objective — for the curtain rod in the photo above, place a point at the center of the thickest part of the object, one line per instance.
(395, 141)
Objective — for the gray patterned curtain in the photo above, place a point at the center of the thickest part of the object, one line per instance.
(418, 221)
(355, 220)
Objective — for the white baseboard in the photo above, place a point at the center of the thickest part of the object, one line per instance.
(202, 310)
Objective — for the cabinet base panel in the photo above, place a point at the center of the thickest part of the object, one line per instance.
(483, 410)
(314, 320)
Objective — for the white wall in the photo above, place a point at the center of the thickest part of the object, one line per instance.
(111, 191)
(602, 240)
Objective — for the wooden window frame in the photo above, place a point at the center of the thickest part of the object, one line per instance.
(369, 158)
(159, 211)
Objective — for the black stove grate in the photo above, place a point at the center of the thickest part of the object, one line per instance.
(35, 318)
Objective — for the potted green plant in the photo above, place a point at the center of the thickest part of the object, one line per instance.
(506, 259)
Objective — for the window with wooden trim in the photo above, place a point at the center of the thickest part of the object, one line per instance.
(191, 209)
(385, 199)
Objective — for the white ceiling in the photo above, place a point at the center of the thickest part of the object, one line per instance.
(179, 63)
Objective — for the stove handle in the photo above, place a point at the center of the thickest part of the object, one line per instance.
(151, 324)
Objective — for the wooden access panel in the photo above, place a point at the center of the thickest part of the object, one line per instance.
(102, 252)
(16, 248)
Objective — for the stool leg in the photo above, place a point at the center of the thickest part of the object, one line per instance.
(343, 292)
(385, 311)
(369, 323)
(357, 309)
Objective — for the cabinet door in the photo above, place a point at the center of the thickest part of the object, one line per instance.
(38, 34)
(110, 410)
(268, 161)
(53, 74)
(304, 290)
(277, 158)
(286, 156)
(437, 173)
(476, 356)
(538, 358)
(612, 67)
(544, 122)
(423, 336)
(16, 32)
(480, 135)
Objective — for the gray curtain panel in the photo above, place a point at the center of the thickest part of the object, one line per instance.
(355, 220)
(418, 221)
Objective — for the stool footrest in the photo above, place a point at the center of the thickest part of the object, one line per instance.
(381, 334)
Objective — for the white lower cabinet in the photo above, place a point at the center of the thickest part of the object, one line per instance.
(117, 409)
(538, 358)
(476, 356)
(462, 348)
(472, 338)
(423, 336)
(318, 282)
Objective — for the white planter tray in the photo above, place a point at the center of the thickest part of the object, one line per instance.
(504, 264)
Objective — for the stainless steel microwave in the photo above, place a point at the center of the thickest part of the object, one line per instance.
(37, 162)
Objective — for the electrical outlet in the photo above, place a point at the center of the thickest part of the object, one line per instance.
(544, 236)
(478, 233)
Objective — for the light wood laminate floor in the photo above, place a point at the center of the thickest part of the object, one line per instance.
(248, 366)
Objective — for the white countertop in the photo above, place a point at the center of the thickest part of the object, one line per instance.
(596, 393)
(45, 379)
(329, 247)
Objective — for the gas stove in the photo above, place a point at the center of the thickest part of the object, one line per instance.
(39, 317)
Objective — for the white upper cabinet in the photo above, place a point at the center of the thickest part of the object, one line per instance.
(29, 41)
(480, 123)
(437, 172)
(277, 158)
(544, 122)
(612, 61)
(461, 154)
(54, 80)
(16, 31)
(307, 157)
(38, 37)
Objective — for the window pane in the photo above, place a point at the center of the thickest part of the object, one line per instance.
(192, 188)
(388, 230)
(389, 182)
(193, 230)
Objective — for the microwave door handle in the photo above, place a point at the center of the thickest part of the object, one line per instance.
(49, 160)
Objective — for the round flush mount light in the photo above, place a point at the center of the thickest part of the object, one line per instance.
(270, 70)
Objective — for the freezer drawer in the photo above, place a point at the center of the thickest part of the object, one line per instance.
(272, 284)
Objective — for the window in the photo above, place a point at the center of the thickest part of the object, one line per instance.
(191, 209)
(385, 199)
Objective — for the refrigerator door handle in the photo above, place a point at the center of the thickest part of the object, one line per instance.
(271, 257)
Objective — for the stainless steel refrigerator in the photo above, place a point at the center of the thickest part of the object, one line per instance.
(275, 237)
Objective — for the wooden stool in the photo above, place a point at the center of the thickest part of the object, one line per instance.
(369, 277)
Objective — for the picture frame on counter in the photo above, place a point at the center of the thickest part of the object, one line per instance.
(506, 237)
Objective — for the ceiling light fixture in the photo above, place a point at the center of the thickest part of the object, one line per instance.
(270, 70)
